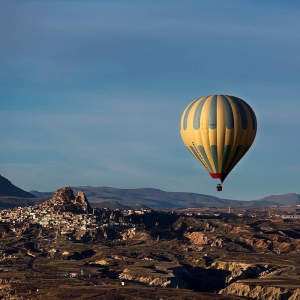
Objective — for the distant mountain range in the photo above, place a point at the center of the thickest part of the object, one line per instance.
(154, 198)
(11, 196)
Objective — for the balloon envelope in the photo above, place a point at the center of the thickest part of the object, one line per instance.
(218, 130)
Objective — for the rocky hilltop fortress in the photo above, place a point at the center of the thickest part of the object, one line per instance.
(64, 200)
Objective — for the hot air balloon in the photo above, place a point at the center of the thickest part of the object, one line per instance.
(218, 130)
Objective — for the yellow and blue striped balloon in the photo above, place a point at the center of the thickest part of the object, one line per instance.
(218, 130)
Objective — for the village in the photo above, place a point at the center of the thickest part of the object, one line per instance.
(67, 222)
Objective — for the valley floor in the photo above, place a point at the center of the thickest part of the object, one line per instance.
(192, 258)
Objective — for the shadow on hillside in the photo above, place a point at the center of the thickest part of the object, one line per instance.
(200, 279)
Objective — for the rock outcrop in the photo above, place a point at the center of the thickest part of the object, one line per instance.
(259, 292)
(295, 295)
(197, 238)
(64, 200)
(136, 235)
(263, 286)
(239, 270)
(151, 277)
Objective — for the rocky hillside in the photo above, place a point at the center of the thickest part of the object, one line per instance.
(286, 199)
(8, 189)
(65, 200)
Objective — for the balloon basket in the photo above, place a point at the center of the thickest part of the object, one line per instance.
(219, 188)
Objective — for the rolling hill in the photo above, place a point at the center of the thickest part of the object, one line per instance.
(10, 190)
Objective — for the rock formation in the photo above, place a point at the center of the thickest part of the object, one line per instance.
(152, 277)
(239, 270)
(197, 238)
(64, 200)
(259, 292)
(136, 235)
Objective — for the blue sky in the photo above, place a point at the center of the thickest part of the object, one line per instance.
(92, 91)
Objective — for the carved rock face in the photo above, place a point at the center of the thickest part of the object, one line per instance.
(65, 200)
(197, 238)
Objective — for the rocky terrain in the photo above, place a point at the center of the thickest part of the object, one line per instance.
(64, 249)
(64, 200)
